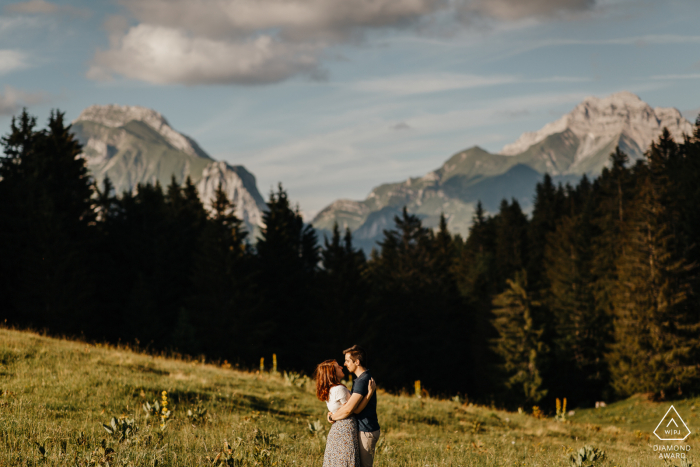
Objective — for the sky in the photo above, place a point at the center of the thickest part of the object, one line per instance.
(334, 97)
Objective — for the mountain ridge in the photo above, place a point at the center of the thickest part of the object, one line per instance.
(133, 145)
(579, 143)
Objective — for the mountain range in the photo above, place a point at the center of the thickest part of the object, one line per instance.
(133, 145)
(578, 143)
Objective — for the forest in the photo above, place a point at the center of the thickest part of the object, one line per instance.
(591, 296)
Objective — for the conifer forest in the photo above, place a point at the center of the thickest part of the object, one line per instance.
(594, 295)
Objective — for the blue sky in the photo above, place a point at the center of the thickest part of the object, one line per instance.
(333, 97)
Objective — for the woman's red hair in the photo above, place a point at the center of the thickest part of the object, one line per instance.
(326, 378)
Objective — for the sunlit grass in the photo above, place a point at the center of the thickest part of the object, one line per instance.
(57, 394)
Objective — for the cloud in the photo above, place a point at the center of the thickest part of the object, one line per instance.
(258, 42)
(162, 55)
(423, 84)
(42, 7)
(438, 82)
(12, 100)
(293, 19)
(401, 126)
(511, 10)
(11, 60)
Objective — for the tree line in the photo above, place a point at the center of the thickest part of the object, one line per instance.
(590, 297)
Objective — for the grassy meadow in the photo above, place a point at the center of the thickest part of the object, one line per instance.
(57, 394)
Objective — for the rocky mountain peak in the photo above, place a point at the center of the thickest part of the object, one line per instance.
(597, 121)
(134, 154)
(115, 116)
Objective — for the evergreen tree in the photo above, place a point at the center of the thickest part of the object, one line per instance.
(547, 210)
(476, 277)
(342, 292)
(511, 246)
(519, 343)
(612, 194)
(581, 331)
(15, 185)
(415, 304)
(287, 257)
(140, 249)
(221, 296)
(46, 181)
(656, 319)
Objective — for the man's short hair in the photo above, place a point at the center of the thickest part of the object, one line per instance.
(357, 353)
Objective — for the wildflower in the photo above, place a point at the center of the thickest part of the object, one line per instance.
(274, 363)
(417, 388)
(561, 410)
(262, 364)
(536, 412)
(164, 413)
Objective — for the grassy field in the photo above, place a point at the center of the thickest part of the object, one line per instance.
(57, 394)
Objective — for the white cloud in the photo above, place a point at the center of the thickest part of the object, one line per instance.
(12, 100)
(163, 55)
(11, 60)
(294, 19)
(255, 41)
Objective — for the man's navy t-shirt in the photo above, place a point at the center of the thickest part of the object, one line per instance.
(367, 419)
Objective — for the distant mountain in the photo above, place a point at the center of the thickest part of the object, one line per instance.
(133, 145)
(585, 137)
(578, 143)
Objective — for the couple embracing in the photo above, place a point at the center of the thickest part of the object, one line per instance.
(355, 430)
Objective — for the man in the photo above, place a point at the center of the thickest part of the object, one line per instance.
(356, 361)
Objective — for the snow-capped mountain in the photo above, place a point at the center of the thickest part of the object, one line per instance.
(578, 143)
(133, 145)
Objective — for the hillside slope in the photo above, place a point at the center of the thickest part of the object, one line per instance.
(57, 394)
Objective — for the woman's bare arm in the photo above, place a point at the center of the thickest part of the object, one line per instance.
(346, 410)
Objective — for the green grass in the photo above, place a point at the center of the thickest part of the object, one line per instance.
(56, 394)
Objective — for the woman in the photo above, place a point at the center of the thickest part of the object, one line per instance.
(342, 446)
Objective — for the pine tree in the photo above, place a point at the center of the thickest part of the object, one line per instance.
(656, 321)
(143, 254)
(511, 245)
(546, 211)
(342, 291)
(220, 300)
(415, 303)
(519, 343)
(287, 263)
(477, 279)
(612, 194)
(581, 331)
(46, 180)
(18, 150)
